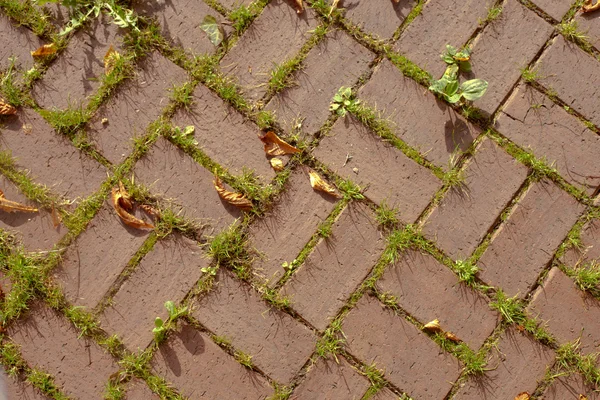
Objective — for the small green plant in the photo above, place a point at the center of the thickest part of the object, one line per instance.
(343, 100)
(185, 135)
(161, 327)
(587, 277)
(212, 271)
(466, 271)
(462, 57)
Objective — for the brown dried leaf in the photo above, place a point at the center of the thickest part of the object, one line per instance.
(45, 50)
(110, 60)
(451, 336)
(433, 326)
(277, 164)
(232, 198)
(7, 109)
(122, 204)
(275, 146)
(56, 218)
(11, 206)
(523, 396)
(27, 129)
(396, 1)
(583, 397)
(318, 183)
(589, 7)
(299, 6)
(148, 209)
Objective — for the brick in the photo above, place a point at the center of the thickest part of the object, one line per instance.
(76, 73)
(18, 42)
(328, 379)
(49, 342)
(274, 37)
(171, 174)
(168, 272)
(590, 246)
(533, 121)
(379, 17)
(555, 8)
(589, 23)
(569, 313)
(198, 367)
(92, 264)
(403, 102)
(466, 214)
(319, 81)
(180, 22)
(499, 54)
(428, 290)
(138, 390)
(375, 334)
(516, 365)
(336, 267)
(570, 388)
(385, 394)
(134, 106)
(16, 389)
(568, 70)
(233, 4)
(286, 229)
(235, 311)
(405, 185)
(524, 246)
(35, 230)
(51, 158)
(224, 134)
(441, 22)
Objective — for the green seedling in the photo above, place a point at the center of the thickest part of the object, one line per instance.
(462, 58)
(161, 327)
(212, 271)
(453, 92)
(343, 100)
(185, 135)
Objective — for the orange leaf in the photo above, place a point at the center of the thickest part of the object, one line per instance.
(110, 60)
(122, 204)
(45, 50)
(11, 206)
(7, 109)
(299, 6)
(588, 7)
(232, 198)
(277, 164)
(275, 146)
(318, 183)
(433, 326)
(56, 219)
(148, 209)
(523, 396)
(583, 397)
(451, 336)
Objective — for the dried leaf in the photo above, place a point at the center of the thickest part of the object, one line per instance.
(11, 206)
(45, 50)
(232, 198)
(110, 60)
(56, 218)
(277, 164)
(583, 397)
(523, 396)
(27, 129)
(275, 146)
(588, 7)
(396, 1)
(299, 6)
(319, 184)
(122, 205)
(213, 29)
(7, 109)
(451, 336)
(433, 326)
(148, 209)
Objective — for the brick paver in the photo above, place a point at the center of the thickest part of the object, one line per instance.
(555, 8)
(571, 388)
(138, 390)
(18, 42)
(16, 389)
(588, 23)
(590, 246)
(380, 18)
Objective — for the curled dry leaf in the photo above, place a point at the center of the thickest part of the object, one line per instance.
(122, 205)
(523, 396)
(11, 206)
(318, 183)
(583, 397)
(56, 218)
(277, 164)
(236, 199)
(6, 109)
(45, 50)
(589, 7)
(299, 6)
(433, 326)
(110, 60)
(275, 146)
(451, 336)
(148, 209)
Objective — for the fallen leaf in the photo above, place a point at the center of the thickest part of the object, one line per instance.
(451, 336)
(275, 146)
(7, 109)
(45, 50)
(319, 184)
(236, 199)
(56, 219)
(27, 129)
(148, 209)
(523, 396)
(299, 6)
(110, 60)
(213, 29)
(588, 7)
(583, 397)
(277, 164)
(433, 326)
(122, 205)
(396, 1)
(11, 206)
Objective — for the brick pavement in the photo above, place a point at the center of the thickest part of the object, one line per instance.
(481, 216)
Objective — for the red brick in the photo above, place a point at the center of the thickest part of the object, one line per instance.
(404, 102)
(377, 335)
(555, 8)
(589, 23)
(17, 41)
(138, 390)
(428, 290)
(274, 37)
(568, 70)
(570, 388)
(441, 22)
(49, 342)
(381, 17)
(467, 213)
(167, 273)
(499, 53)
(569, 313)
(137, 103)
(590, 246)
(15, 389)
(385, 394)
(328, 379)
(319, 81)
(198, 367)
(524, 246)
(336, 267)
(77, 72)
(35, 230)
(51, 158)
(287, 228)
(405, 185)
(92, 264)
(516, 365)
(171, 174)
(224, 134)
(533, 121)
(279, 345)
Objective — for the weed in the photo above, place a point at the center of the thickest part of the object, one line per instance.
(66, 121)
(350, 190)
(386, 216)
(161, 327)
(461, 58)
(510, 308)
(210, 270)
(184, 137)
(343, 100)
(530, 74)
(587, 277)
(453, 92)
(244, 359)
(332, 340)
(374, 375)
(466, 271)
(241, 18)
(571, 31)
(229, 249)
(492, 15)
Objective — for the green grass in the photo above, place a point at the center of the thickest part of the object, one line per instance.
(493, 14)
(386, 216)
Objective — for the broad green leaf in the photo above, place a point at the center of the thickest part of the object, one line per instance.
(158, 322)
(451, 73)
(473, 89)
(347, 92)
(448, 59)
(451, 50)
(189, 130)
(213, 29)
(464, 66)
(451, 88)
(334, 106)
(170, 306)
(454, 98)
(438, 86)
(338, 98)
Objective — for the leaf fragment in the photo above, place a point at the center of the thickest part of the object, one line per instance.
(123, 205)
(45, 50)
(277, 164)
(523, 396)
(299, 6)
(213, 29)
(6, 109)
(274, 146)
(318, 183)
(11, 206)
(110, 60)
(148, 209)
(235, 199)
(433, 326)
(583, 397)
(56, 218)
(589, 7)
(451, 336)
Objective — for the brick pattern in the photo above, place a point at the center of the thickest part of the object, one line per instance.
(571, 388)
(380, 17)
